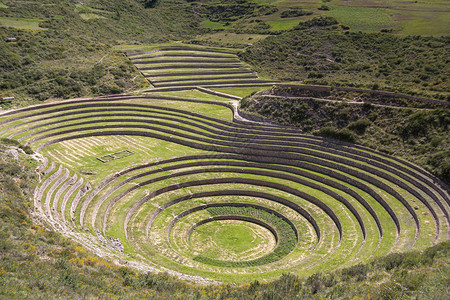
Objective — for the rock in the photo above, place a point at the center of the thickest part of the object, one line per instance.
(100, 237)
(116, 244)
(13, 152)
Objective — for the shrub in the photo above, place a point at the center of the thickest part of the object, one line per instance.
(26, 149)
(299, 112)
(324, 7)
(317, 22)
(62, 263)
(5, 244)
(334, 133)
(254, 286)
(67, 278)
(390, 261)
(10, 142)
(359, 126)
(359, 271)
(367, 106)
(410, 279)
(147, 280)
(295, 12)
(442, 249)
(391, 290)
(10, 169)
(244, 102)
(318, 282)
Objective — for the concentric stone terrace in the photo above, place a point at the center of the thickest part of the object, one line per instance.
(177, 67)
(207, 195)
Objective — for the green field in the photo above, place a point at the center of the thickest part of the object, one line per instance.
(87, 12)
(21, 23)
(403, 17)
(282, 24)
(229, 240)
(240, 91)
(418, 23)
(212, 25)
(230, 38)
(364, 18)
(90, 16)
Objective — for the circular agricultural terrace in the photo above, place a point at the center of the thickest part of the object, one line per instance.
(172, 184)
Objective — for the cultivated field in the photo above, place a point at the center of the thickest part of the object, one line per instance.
(405, 17)
(202, 193)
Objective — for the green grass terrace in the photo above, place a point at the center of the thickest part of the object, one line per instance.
(181, 66)
(181, 184)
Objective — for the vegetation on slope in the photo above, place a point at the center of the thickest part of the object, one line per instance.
(63, 49)
(69, 54)
(41, 67)
(321, 52)
(421, 136)
(36, 263)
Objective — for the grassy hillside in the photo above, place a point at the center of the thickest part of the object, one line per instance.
(63, 49)
(321, 52)
(403, 17)
(37, 263)
(416, 131)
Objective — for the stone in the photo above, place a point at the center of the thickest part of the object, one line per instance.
(13, 152)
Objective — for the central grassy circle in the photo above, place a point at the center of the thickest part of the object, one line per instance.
(236, 238)
(232, 240)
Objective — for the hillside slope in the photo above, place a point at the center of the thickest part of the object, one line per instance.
(320, 51)
(416, 131)
(68, 51)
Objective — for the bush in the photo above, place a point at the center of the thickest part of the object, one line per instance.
(295, 12)
(410, 279)
(391, 290)
(26, 149)
(10, 142)
(10, 169)
(358, 271)
(359, 126)
(439, 250)
(67, 278)
(315, 283)
(63, 264)
(404, 260)
(334, 133)
(419, 124)
(317, 22)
